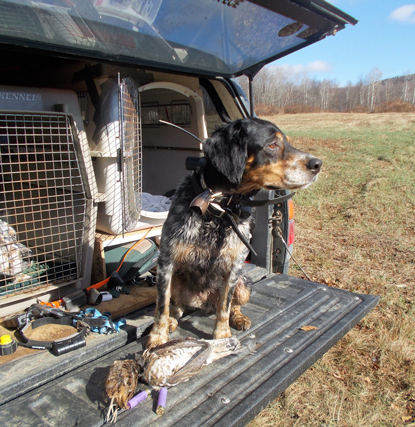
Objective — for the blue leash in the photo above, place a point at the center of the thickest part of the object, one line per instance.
(109, 326)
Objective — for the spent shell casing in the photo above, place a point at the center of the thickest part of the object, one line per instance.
(161, 402)
(140, 397)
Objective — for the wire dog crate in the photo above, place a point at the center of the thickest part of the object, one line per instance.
(43, 202)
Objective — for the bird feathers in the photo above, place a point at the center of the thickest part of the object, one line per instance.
(122, 381)
(179, 360)
(167, 365)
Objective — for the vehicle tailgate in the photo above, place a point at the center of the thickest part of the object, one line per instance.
(230, 392)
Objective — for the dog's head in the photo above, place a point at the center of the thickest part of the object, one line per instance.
(254, 154)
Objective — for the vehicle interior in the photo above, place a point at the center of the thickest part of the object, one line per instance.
(135, 87)
(124, 165)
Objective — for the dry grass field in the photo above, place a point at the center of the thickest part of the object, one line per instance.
(355, 230)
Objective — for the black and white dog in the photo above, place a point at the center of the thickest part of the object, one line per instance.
(202, 250)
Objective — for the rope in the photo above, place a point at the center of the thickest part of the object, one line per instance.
(291, 254)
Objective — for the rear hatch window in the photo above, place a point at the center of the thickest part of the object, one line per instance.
(203, 37)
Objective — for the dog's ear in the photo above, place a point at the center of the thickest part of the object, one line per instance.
(227, 150)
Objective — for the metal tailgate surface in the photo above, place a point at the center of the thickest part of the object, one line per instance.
(231, 391)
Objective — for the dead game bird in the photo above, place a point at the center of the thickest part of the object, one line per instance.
(122, 381)
(164, 366)
(179, 360)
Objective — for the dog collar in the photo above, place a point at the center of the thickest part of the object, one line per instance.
(39, 315)
(206, 199)
(59, 346)
(227, 205)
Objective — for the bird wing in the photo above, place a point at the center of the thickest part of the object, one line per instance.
(195, 364)
(167, 347)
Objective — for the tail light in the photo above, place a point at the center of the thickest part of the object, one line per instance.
(290, 209)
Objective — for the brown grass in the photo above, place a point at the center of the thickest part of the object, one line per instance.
(268, 110)
(300, 109)
(396, 106)
(356, 231)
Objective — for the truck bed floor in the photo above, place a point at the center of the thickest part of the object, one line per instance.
(230, 392)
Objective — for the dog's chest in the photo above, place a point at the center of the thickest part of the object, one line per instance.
(210, 247)
(217, 232)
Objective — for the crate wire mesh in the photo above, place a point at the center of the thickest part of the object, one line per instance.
(42, 204)
(176, 113)
(130, 131)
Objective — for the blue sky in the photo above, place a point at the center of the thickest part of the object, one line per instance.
(383, 39)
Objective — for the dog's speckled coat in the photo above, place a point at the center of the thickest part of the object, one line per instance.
(201, 256)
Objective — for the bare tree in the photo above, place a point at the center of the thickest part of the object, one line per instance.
(282, 87)
(374, 80)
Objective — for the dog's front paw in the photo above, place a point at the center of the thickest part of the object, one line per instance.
(159, 332)
(222, 330)
(155, 341)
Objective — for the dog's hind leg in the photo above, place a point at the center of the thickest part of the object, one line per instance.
(241, 296)
(233, 293)
(176, 313)
(238, 320)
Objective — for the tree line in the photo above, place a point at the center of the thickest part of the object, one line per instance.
(278, 90)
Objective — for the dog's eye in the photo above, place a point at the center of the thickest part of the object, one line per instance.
(274, 145)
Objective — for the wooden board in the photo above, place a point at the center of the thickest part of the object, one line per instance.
(139, 297)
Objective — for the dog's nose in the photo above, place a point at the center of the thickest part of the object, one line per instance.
(314, 164)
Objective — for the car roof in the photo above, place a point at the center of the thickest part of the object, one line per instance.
(226, 38)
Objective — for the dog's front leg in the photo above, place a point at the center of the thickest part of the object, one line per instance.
(163, 323)
(223, 307)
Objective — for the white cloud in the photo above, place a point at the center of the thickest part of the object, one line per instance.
(404, 13)
(312, 67)
(319, 67)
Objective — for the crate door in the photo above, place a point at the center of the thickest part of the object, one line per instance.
(130, 157)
